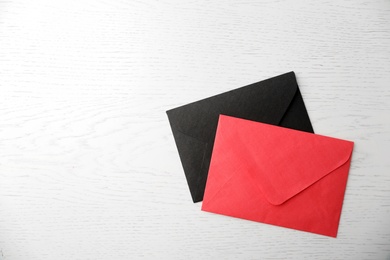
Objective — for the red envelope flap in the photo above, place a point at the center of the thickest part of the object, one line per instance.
(283, 162)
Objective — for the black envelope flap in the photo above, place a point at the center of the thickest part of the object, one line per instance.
(265, 101)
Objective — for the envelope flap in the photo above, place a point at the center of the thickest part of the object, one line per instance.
(284, 162)
(264, 101)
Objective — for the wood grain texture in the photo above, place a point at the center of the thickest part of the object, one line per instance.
(88, 164)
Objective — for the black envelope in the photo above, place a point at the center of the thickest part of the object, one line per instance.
(275, 101)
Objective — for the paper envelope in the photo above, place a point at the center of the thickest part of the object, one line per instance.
(277, 176)
(276, 101)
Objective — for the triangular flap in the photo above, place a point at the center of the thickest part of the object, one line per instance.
(284, 162)
(264, 101)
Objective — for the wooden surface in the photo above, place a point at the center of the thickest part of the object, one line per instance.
(88, 164)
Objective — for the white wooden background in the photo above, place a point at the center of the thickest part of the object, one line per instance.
(88, 164)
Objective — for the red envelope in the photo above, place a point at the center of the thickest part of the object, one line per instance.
(277, 176)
